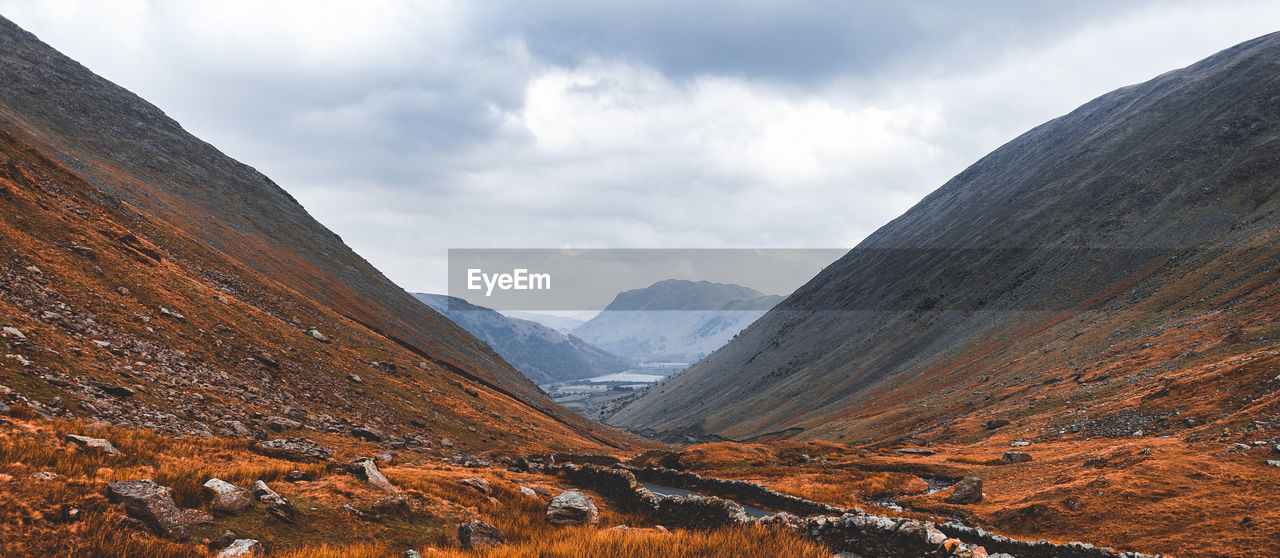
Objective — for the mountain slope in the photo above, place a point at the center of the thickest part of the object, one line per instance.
(1108, 272)
(542, 354)
(137, 255)
(646, 325)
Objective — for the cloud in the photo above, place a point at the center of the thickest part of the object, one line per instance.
(413, 127)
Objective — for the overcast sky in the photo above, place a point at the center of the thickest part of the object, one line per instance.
(413, 127)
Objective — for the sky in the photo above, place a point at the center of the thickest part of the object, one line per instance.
(410, 128)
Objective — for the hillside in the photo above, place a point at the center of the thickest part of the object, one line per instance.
(1111, 273)
(542, 354)
(649, 324)
(151, 281)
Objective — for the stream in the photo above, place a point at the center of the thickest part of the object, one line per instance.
(891, 501)
(660, 490)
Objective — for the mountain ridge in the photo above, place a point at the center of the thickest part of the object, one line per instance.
(1153, 177)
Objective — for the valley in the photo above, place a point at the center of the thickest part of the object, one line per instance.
(1069, 350)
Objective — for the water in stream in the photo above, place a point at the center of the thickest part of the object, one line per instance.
(668, 491)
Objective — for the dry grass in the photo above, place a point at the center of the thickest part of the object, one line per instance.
(727, 543)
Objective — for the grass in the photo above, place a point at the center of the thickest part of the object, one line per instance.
(31, 511)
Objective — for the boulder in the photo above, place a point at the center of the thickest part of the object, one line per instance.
(224, 497)
(152, 504)
(572, 508)
(478, 534)
(241, 547)
(295, 449)
(528, 492)
(367, 470)
(397, 506)
(280, 424)
(85, 444)
(224, 540)
(967, 491)
(197, 517)
(315, 334)
(478, 484)
(994, 424)
(45, 476)
(1013, 456)
(278, 506)
(368, 434)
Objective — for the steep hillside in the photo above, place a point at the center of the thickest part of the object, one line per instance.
(647, 325)
(542, 354)
(1109, 273)
(149, 281)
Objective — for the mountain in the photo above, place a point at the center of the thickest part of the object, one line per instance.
(542, 354)
(644, 324)
(1111, 272)
(563, 324)
(150, 281)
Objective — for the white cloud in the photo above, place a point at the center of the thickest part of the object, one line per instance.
(412, 127)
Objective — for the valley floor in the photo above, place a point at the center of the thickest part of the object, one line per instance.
(1152, 495)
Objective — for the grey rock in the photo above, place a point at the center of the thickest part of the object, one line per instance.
(86, 444)
(197, 517)
(479, 484)
(368, 433)
(367, 470)
(967, 491)
(224, 540)
(295, 449)
(240, 548)
(152, 504)
(1012, 456)
(478, 534)
(315, 334)
(224, 497)
(45, 476)
(572, 508)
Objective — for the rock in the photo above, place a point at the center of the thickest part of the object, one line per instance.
(45, 476)
(1020, 444)
(411, 553)
(384, 457)
(526, 491)
(355, 378)
(241, 547)
(365, 469)
(264, 493)
(1240, 447)
(315, 334)
(967, 491)
(152, 504)
(13, 332)
(118, 391)
(397, 506)
(280, 424)
(572, 508)
(224, 497)
(166, 312)
(478, 484)
(197, 517)
(368, 434)
(478, 534)
(224, 540)
(21, 360)
(86, 444)
(1273, 463)
(994, 424)
(1096, 461)
(351, 510)
(916, 451)
(1012, 456)
(295, 449)
(296, 476)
